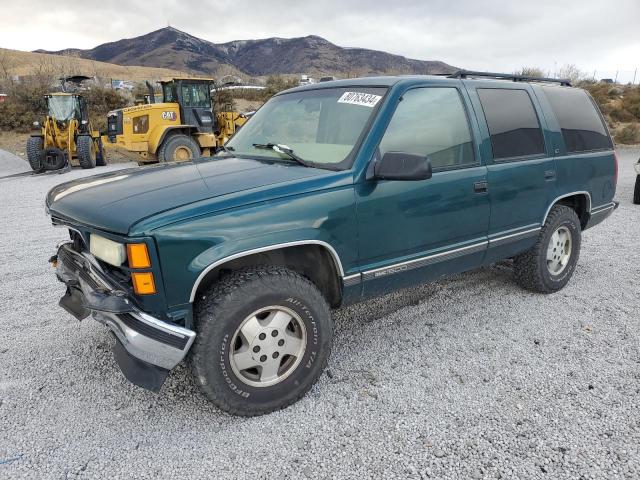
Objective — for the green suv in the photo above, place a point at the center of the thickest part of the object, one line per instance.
(332, 193)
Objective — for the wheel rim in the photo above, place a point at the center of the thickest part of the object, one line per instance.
(182, 154)
(559, 250)
(268, 346)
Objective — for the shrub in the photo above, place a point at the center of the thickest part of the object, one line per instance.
(24, 104)
(629, 134)
(100, 101)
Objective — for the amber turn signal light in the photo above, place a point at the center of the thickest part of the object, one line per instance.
(143, 283)
(138, 255)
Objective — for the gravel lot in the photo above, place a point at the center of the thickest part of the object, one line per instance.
(470, 377)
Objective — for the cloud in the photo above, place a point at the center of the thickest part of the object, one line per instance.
(488, 35)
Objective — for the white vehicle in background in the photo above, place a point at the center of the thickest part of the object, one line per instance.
(306, 80)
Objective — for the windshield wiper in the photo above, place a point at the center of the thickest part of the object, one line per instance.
(228, 150)
(279, 148)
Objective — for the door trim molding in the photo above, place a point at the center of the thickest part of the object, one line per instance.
(497, 240)
(424, 261)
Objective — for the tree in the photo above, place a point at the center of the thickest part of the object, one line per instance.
(531, 72)
(571, 72)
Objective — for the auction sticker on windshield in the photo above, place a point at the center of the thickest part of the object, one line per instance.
(359, 98)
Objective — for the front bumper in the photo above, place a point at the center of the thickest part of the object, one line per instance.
(146, 348)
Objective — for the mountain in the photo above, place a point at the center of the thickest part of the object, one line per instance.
(177, 50)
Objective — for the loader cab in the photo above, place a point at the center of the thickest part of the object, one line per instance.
(194, 98)
(64, 107)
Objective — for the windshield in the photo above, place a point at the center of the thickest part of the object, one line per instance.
(320, 126)
(62, 107)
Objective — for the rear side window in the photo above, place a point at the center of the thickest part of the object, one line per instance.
(582, 126)
(513, 123)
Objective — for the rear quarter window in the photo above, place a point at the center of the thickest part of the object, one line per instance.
(582, 126)
(513, 123)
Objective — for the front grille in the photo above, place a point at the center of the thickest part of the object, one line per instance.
(114, 125)
(148, 331)
(72, 262)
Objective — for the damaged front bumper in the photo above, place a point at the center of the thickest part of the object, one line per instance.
(146, 348)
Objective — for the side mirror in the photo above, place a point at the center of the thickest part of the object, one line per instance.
(402, 166)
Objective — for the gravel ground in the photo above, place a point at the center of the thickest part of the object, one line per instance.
(470, 377)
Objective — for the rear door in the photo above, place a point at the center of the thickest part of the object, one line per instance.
(521, 172)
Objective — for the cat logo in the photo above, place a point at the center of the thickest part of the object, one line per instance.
(171, 116)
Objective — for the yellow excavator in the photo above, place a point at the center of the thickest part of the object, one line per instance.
(65, 136)
(180, 127)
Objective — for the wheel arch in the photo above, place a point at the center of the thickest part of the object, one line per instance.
(314, 259)
(155, 142)
(580, 201)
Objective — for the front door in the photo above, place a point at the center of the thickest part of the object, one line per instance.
(195, 105)
(413, 231)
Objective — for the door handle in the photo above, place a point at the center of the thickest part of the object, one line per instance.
(481, 187)
(550, 175)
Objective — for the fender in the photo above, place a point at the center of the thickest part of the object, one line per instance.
(581, 192)
(158, 136)
(217, 263)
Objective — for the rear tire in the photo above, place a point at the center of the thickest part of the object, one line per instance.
(550, 263)
(264, 338)
(178, 148)
(636, 191)
(101, 160)
(86, 151)
(35, 146)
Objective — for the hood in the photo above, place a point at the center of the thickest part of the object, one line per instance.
(117, 200)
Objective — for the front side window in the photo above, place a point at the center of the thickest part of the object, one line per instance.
(582, 126)
(169, 91)
(433, 122)
(513, 123)
(320, 126)
(195, 95)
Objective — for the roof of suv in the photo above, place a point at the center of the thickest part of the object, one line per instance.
(388, 81)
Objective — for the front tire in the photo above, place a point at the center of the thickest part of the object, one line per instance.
(35, 147)
(86, 151)
(636, 191)
(549, 264)
(264, 336)
(178, 148)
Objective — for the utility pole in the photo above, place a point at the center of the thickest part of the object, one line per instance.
(616, 80)
(634, 76)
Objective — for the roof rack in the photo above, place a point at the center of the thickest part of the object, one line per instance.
(509, 76)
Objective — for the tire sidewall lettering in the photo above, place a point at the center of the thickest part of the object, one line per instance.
(313, 340)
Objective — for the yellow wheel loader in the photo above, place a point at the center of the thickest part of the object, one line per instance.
(65, 136)
(181, 127)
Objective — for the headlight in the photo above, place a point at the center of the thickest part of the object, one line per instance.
(113, 253)
(637, 165)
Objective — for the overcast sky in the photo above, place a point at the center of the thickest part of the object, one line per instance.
(601, 35)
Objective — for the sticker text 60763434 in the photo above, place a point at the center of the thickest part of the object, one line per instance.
(360, 98)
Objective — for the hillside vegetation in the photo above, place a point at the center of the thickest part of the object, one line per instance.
(17, 63)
